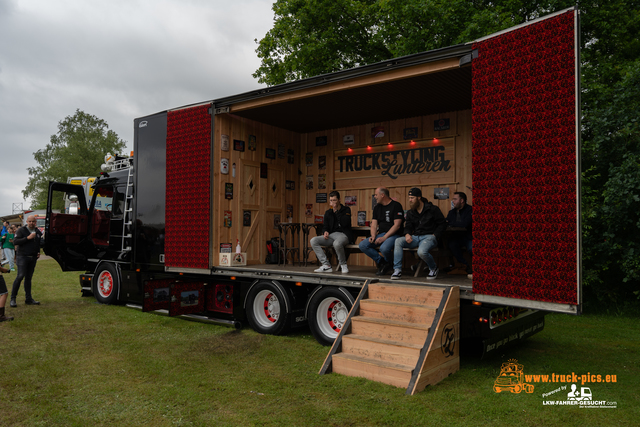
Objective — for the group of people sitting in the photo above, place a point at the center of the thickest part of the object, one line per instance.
(392, 231)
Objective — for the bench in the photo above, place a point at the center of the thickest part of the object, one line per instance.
(348, 249)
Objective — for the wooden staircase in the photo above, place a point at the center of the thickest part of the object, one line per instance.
(403, 335)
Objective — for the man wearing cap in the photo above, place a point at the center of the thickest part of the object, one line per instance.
(423, 227)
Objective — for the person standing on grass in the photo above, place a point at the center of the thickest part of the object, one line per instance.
(423, 227)
(3, 296)
(9, 248)
(5, 227)
(27, 239)
(336, 232)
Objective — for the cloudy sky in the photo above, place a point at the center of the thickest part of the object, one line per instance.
(117, 60)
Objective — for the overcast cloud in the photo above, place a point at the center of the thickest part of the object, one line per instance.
(117, 60)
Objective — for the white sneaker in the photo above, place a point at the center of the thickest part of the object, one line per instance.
(344, 268)
(325, 268)
(397, 274)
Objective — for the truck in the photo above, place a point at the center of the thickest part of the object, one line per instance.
(497, 118)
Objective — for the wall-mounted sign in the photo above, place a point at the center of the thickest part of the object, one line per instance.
(441, 193)
(441, 124)
(224, 166)
(238, 145)
(228, 190)
(322, 162)
(321, 141)
(348, 139)
(290, 156)
(362, 218)
(282, 151)
(252, 143)
(309, 182)
(407, 163)
(270, 153)
(410, 133)
(377, 132)
(246, 218)
(322, 181)
(227, 222)
(224, 143)
(321, 197)
(290, 185)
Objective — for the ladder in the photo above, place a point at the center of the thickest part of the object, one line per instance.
(127, 220)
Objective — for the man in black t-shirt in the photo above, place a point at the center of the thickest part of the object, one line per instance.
(386, 227)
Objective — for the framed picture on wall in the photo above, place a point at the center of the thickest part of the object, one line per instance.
(270, 153)
(252, 143)
(322, 162)
(322, 181)
(441, 193)
(238, 145)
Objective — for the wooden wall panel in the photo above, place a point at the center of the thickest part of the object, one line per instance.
(459, 179)
(264, 198)
(264, 205)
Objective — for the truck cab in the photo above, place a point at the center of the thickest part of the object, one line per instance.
(96, 229)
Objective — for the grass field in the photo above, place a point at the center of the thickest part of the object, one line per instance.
(73, 362)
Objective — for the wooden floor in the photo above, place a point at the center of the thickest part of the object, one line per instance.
(364, 273)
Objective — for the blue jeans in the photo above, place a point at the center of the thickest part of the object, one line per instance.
(386, 248)
(10, 255)
(424, 245)
(336, 239)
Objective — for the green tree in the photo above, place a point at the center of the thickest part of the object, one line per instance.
(312, 37)
(78, 149)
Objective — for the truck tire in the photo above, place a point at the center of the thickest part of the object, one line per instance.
(106, 284)
(268, 308)
(328, 311)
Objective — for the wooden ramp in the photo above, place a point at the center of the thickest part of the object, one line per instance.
(403, 335)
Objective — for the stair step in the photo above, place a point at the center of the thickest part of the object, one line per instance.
(394, 330)
(411, 313)
(422, 295)
(381, 349)
(394, 374)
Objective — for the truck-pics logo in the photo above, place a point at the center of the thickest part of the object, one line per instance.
(512, 378)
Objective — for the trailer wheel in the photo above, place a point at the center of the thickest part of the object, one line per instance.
(328, 311)
(106, 284)
(268, 309)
